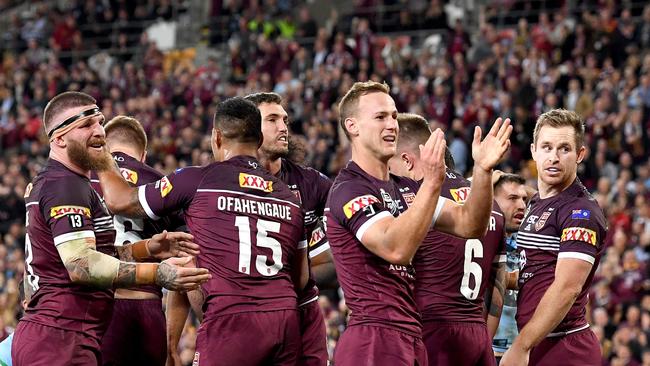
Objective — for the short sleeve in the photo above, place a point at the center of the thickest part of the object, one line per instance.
(356, 207)
(318, 242)
(66, 207)
(324, 185)
(170, 193)
(579, 231)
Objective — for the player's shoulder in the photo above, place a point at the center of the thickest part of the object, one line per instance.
(134, 171)
(455, 187)
(350, 181)
(246, 174)
(309, 174)
(577, 203)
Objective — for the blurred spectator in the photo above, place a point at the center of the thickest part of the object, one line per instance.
(592, 58)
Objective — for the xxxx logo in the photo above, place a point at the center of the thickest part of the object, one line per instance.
(357, 204)
(460, 195)
(316, 236)
(165, 186)
(129, 175)
(579, 234)
(255, 182)
(59, 211)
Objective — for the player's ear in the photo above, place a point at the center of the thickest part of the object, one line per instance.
(352, 126)
(217, 137)
(581, 154)
(144, 156)
(60, 142)
(407, 160)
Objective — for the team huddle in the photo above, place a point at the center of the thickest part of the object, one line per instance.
(418, 250)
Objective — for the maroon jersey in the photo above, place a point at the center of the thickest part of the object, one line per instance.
(62, 206)
(453, 273)
(130, 230)
(377, 292)
(249, 226)
(567, 225)
(311, 187)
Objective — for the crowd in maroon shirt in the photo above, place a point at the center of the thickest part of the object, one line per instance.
(592, 60)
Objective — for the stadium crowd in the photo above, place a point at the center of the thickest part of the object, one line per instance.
(595, 62)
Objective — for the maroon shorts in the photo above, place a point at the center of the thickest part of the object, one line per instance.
(39, 345)
(253, 338)
(314, 335)
(579, 348)
(136, 335)
(457, 343)
(362, 345)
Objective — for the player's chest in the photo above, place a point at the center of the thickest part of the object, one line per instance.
(102, 222)
(395, 198)
(539, 218)
(306, 197)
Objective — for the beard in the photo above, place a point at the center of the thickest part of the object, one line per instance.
(275, 152)
(80, 156)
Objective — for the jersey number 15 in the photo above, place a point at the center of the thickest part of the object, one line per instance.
(262, 240)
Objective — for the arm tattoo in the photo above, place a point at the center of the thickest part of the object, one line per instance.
(165, 275)
(496, 302)
(79, 270)
(125, 253)
(135, 209)
(125, 275)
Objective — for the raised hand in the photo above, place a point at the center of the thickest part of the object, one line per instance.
(172, 244)
(432, 156)
(489, 152)
(178, 274)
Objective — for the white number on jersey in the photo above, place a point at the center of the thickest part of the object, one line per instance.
(263, 240)
(126, 237)
(473, 249)
(32, 278)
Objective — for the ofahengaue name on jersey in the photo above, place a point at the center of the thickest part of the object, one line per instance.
(252, 207)
(538, 241)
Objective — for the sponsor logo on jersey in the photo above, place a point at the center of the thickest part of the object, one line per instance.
(297, 193)
(129, 175)
(60, 211)
(409, 198)
(316, 236)
(165, 186)
(579, 234)
(394, 206)
(460, 194)
(28, 190)
(580, 215)
(255, 182)
(542, 221)
(531, 220)
(357, 204)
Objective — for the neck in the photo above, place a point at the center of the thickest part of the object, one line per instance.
(132, 152)
(273, 166)
(239, 150)
(370, 164)
(546, 190)
(416, 174)
(61, 157)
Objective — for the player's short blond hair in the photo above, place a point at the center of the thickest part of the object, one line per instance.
(557, 118)
(126, 130)
(350, 101)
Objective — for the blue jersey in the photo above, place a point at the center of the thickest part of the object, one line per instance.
(507, 331)
(5, 351)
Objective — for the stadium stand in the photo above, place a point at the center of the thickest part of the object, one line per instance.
(507, 58)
